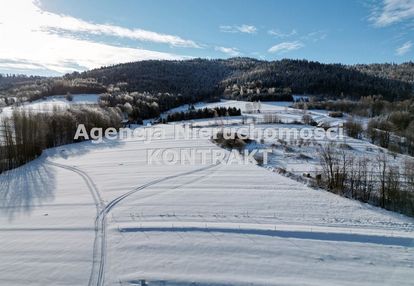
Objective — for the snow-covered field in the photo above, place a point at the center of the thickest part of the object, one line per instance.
(99, 214)
(280, 109)
(301, 156)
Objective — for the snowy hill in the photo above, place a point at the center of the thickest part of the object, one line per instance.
(99, 214)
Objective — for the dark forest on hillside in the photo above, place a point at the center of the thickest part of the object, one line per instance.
(201, 79)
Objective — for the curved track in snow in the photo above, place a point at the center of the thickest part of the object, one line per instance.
(97, 276)
(114, 202)
(99, 203)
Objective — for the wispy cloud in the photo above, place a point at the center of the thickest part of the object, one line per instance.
(285, 47)
(248, 29)
(282, 35)
(234, 52)
(388, 12)
(67, 23)
(315, 36)
(31, 40)
(405, 48)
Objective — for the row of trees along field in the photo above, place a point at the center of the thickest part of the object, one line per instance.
(25, 135)
(255, 91)
(367, 106)
(203, 113)
(375, 181)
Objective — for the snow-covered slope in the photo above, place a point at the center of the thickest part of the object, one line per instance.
(100, 214)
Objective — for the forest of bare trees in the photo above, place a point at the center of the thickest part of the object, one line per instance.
(25, 135)
(193, 113)
(375, 181)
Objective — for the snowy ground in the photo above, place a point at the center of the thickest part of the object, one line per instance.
(301, 156)
(99, 214)
(280, 109)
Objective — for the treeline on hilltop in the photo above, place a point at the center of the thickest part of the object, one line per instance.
(402, 72)
(197, 78)
(9, 80)
(203, 113)
(330, 80)
(25, 135)
(203, 78)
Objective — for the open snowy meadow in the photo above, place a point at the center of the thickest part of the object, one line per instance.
(102, 214)
(206, 143)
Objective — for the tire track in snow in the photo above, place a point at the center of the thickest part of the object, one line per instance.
(104, 212)
(99, 204)
(99, 249)
(88, 180)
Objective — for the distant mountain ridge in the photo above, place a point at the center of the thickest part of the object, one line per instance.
(204, 78)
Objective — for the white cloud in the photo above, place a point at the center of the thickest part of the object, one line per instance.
(248, 29)
(392, 11)
(285, 47)
(29, 40)
(279, 34)
(72, 24)
(405, 48)
(62, 55)
(234, 52)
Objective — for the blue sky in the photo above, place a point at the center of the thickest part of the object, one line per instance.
(51, 37)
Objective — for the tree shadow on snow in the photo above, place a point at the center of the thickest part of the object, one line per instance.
(34, 183)
(25, 187)
(307, 235)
